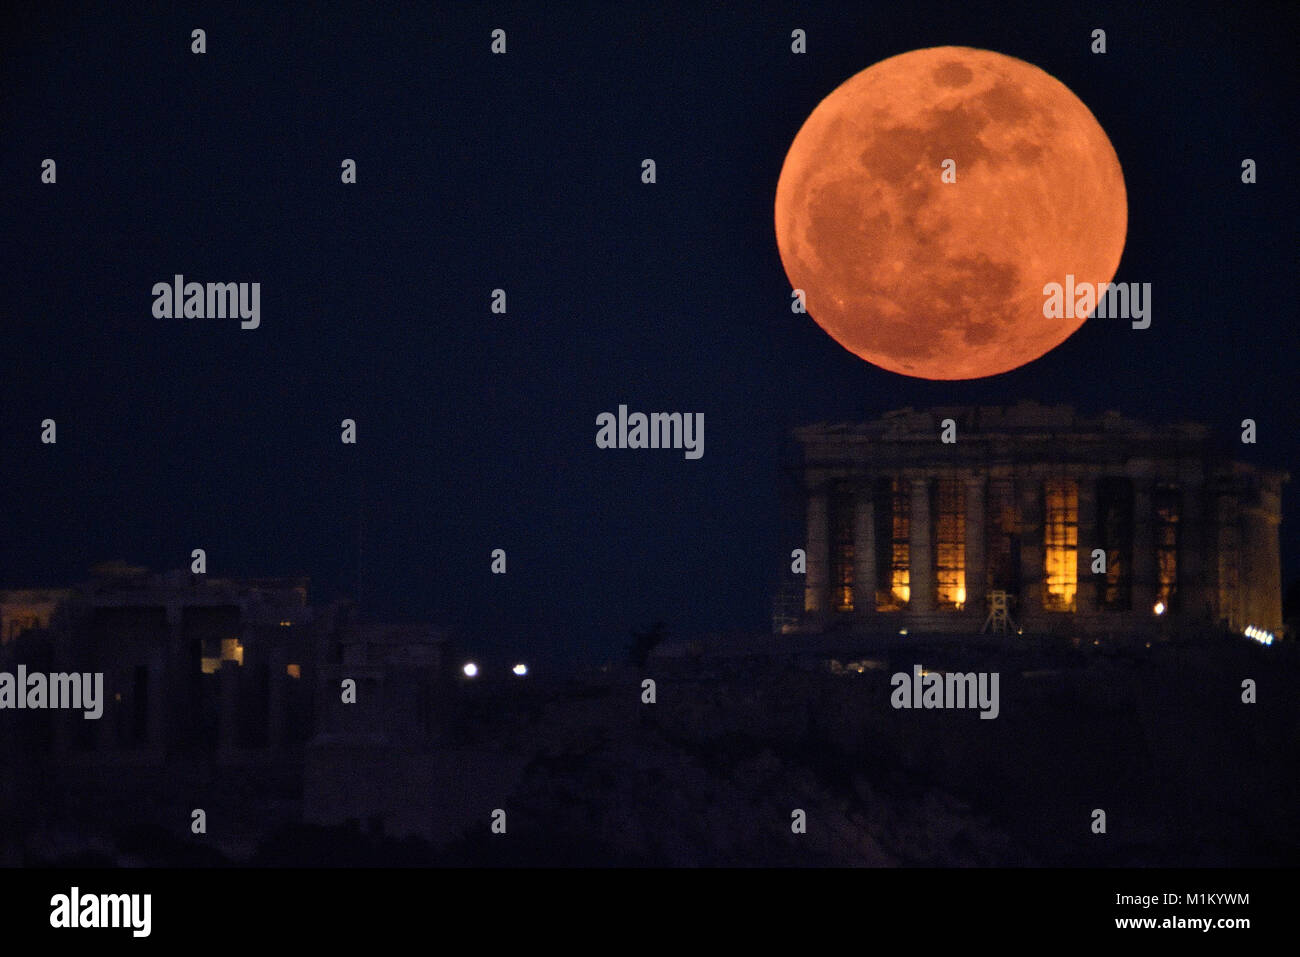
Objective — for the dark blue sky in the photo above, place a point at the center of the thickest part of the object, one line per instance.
(523, 172)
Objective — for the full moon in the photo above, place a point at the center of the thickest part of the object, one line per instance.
(935, 269)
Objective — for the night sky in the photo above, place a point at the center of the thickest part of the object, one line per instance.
(522, 171)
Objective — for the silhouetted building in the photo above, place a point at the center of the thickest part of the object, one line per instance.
(29, 609)
(192, 664)
(371, 761)
(397, 670)
(905, 530)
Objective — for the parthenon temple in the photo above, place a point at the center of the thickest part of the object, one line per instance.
(918, 519)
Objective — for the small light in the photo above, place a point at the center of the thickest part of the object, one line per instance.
(470, 669)
(520, 669)
(1160, 608)
(902, 631)
(1259, 634)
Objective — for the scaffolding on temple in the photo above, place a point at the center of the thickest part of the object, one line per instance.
(999, 618)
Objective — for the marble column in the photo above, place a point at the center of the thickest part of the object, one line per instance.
(1029, 492)
(816, 598)
(1261, 572)
(1085, 597)
(864, 552)
(1228, 556)
(920, 559)
(228, 711)
(1144, 549)
(1192, 601)
(976, 537)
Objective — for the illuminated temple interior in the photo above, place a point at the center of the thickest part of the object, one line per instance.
(1099, 523)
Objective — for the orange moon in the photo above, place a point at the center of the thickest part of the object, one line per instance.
(944, 280)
